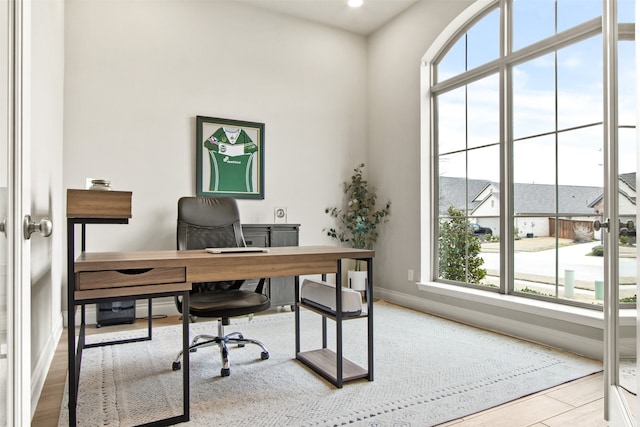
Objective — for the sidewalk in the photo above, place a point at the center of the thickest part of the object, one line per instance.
(536, 244)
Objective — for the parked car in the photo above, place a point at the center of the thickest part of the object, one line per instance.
(479, 230)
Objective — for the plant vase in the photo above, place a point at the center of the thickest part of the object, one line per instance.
(357, 280)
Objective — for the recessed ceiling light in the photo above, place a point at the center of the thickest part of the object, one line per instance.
(355, 3)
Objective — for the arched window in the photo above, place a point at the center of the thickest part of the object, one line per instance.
(514, 124)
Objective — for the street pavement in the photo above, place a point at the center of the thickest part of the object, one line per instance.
(535, 259)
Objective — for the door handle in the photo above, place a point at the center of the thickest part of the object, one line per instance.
(624, 228)
(3, 227)
(597, 225)
(45, 227)
(627, 228)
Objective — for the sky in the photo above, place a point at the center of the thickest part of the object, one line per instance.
(579, 96)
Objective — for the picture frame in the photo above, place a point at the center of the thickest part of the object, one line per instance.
(229, 158)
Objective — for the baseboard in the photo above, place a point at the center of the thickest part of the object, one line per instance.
(39, 374)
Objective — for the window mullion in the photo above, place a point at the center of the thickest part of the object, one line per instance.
(506, 153)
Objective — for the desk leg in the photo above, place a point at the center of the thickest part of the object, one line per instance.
(296, 281)
(324, 322)
(76, 356)
(185, 372)
(71, 324)
(339, 368)
(185, 355)
(370, 315)
(149, 316)
(73, 381)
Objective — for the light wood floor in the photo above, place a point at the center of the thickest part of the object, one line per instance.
(579, 403)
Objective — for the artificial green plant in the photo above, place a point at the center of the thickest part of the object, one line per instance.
(359, 218)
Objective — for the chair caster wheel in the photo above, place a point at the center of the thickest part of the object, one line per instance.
(225, 372)
(264, 355)
(240, 345)
(193, 350)
(176, 366)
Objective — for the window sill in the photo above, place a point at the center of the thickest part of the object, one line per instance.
(566, 313)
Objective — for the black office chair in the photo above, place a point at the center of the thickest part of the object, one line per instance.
(209, 222)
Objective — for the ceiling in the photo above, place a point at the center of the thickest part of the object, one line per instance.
(363, 20)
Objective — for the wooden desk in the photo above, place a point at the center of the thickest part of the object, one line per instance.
(114, 275)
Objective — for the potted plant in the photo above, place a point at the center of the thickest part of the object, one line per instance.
(358, 221)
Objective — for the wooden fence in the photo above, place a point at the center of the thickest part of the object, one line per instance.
(567, 227)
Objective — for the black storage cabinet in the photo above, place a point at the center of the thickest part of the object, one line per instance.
(280, 290)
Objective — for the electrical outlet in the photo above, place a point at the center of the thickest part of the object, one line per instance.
(280, 215)
(410, 275)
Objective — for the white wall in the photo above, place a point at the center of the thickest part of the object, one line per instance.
(395, 52)
(138, 72)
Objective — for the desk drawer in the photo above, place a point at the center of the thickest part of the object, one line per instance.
(86, 280)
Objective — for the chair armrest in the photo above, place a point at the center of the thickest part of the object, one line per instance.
(178, 304)
(260, 286)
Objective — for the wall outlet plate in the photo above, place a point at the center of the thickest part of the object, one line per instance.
(280, 215)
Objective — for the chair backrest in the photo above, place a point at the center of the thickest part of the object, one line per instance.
(209, 222)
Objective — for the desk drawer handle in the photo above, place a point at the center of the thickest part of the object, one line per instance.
(134, 271)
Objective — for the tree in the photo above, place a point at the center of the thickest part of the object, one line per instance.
(459, 250)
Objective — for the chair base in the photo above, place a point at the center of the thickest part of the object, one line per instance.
(221, 341)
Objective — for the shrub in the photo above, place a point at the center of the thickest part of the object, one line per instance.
(534, 292)
(582, 233)
(460, 258)
(597, 250)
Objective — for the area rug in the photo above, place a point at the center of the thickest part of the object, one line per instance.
(427, 371)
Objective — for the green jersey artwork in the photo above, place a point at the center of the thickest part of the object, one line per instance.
(232, 156)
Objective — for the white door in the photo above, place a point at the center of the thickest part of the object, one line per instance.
(14, 253)
(621, 267)
(4, 166)
(15, 205)
(14, 366)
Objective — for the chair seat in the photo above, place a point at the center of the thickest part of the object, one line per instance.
(229, 303)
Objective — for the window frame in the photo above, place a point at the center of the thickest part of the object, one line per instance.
(503, 66)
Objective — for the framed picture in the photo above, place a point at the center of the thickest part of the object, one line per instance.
(230, 158)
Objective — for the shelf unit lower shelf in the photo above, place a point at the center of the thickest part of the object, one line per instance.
(324, 361)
